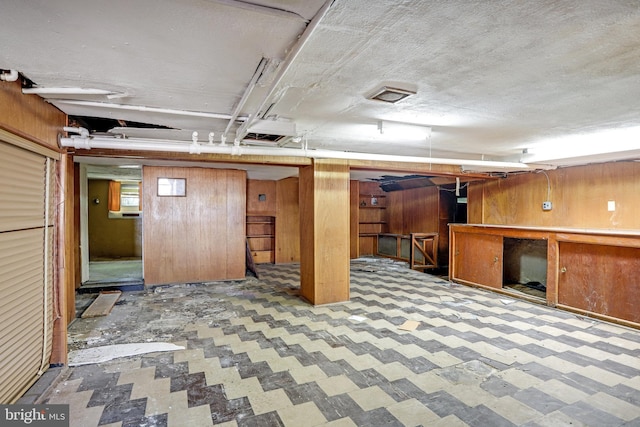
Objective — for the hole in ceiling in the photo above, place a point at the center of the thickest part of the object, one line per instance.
(264, 137)
(391, 94)
(102, 125)
(395, 183)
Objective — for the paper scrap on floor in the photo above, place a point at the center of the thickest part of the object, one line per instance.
(105, 353)
(409, 325)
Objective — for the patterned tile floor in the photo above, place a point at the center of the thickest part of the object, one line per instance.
(256, 355)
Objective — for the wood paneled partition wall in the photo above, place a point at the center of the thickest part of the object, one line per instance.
(199, 236)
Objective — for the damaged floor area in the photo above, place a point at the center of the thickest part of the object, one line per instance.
(252, 353)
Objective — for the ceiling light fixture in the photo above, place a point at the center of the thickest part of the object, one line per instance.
(600, 146)
(408, 131)
(391, 94)
(66, 91)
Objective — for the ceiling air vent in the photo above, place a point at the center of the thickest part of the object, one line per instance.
(391, 94)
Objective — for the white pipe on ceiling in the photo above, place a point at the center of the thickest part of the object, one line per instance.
(84, 132)
(145, 109)
(252, 84)
(9, 76)
(291, 56)
(81, 142)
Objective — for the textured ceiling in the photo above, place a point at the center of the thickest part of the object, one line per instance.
(492, 78)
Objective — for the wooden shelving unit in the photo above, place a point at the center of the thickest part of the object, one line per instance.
(261, 238)
(372, 216)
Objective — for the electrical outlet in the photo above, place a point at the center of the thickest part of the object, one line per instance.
(546, 206)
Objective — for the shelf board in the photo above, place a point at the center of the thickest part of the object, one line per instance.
(373, 207)
(368, 235)
(260, 236)
(372, 222)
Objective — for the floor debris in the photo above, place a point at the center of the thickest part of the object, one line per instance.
(105, 353)
(102, 305)
(409, 325)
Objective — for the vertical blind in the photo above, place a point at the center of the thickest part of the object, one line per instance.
(26, 267)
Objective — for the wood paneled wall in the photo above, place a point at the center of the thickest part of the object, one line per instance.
(475, 202)
(422, 210)
(287, 221)
(255, 206)
(580, 197)
(324, 215)
(413, 211)
(354, 218)
(200, 237)
(395, 212)
(30, 116)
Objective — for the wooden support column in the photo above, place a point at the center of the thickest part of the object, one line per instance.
(324, 232)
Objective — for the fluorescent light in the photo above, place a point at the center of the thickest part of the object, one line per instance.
(605, 145)
(403, 131)
(66, 91)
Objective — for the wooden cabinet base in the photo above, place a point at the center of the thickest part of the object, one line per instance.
(591, 272)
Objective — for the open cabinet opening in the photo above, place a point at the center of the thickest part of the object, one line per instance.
(525, 266)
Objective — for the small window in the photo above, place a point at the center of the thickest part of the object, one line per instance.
(125, 199)
(129, 196)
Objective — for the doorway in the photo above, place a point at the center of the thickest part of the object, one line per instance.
(111, 235)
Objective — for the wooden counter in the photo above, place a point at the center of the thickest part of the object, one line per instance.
(594, 272)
